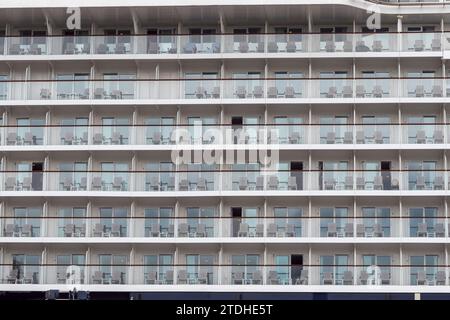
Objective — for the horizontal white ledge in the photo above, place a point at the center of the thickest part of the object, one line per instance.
(240, 193)
(224, 240)
(435, 8)
(224, 56)
(302, 147)
(224, 101)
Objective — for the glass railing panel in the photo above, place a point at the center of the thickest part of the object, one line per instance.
(222, 43)
(70, 45)
(377, 226)
(22, 226)
(421, 133)
(68, 135)
(228, 180)
(375, 42)
(22, 274)
(25, 135)
(157, 227)
(198, 227)
(378, 275)
(108, 274)
(286, 88)
(376, 88)
(110, 181)
(424, 180)
(378, 180)
(117, 226)
(320, 226)
(376, 134)
(197, 44)
(287, 43)
(242, 275)
(425, 275)
(244, 43)
(111, 135)
(257, 88)
(425, 227)
(23, 181)
(237, 275)
(422, 41)
(27, 45)
(115, 89)
(286, 134)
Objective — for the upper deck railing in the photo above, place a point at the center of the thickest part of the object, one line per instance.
(215, 44)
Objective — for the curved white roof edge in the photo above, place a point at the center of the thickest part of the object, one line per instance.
(392, 8)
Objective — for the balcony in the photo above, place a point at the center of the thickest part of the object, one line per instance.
(289, 228)
(235, 275)
(212, 90)
(225, 134)
(215, 44)
(226, 180)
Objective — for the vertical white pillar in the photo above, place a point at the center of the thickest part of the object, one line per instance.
(399, 33)
(2, 221)
(131, 271)
(132, 220)
(402, 219)
(220, 267)
(265, 218)
(403, 185)
(355, 121)
(156, 94)
(266, 37)
(49, 131)
(355, 167)
(266, 75)
(355, 215)
(310, 168)
(264, 270)
(222, 83)
(221, 225)
(179, 32)
(309, 138)
(400, 126)
(136, 183)
(44, 220)
(309, 39)
(222, 31)
(310, 93)
(43, 269)
(88, 265)
(89, 219)
(177, 218)
(48, 176)
(176, 266)
(446, 262)
(355, 270)
(402, 280)
(310, 220)
(2, 273)
(92, 84)
(92, 39)
(310, 262)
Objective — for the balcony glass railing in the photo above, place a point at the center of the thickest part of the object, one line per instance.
(213, 226)
(225, 134)
(226, 180)
(224, 43)
(280, 275)
(226, 88)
